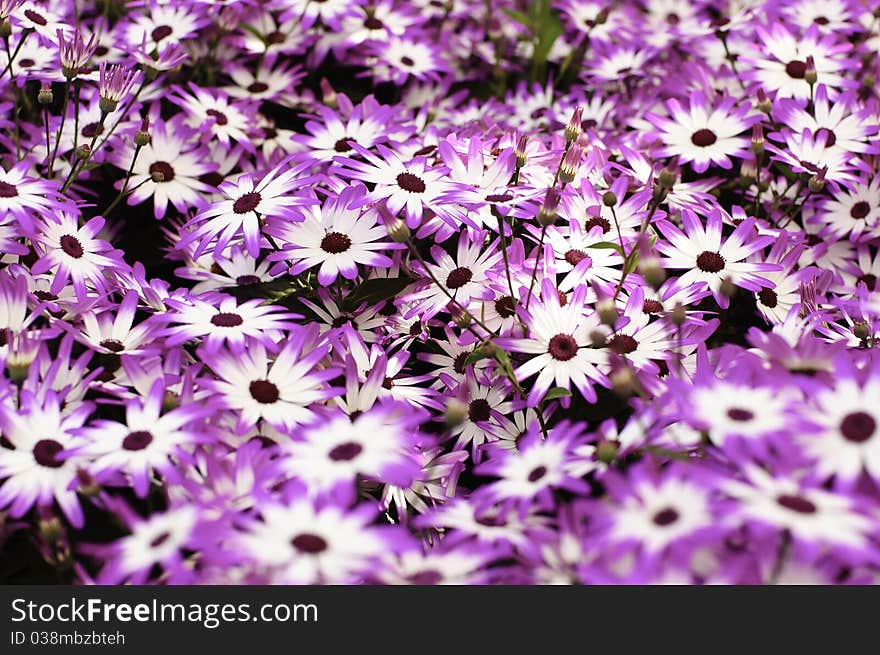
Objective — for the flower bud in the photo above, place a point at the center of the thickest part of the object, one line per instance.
(757, 145)
(5, 29)
(520, 151)
(45, 95)
(810, 75)
(573, 129)
(170, 401)
(50, 527)
(142, 136)
(652, 270)
(570, 163)
(107, 105)
(669, 175)
(728, 288)
(461, 318)
(607, 311)
(547, 213)
(84, 151)
(678, 315)
(817, 181)
(606, 451)
(598, 338)
(455, 413)
(764, 104)
(398, 231)
(609, 199)
(328, 93)
(861, 330)
(623, 381)
(88, 486)
(157, 176)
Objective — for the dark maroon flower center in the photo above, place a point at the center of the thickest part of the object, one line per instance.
(247, 280)
(373, 23)
(575, 257)
(821, 20)
(161, 539)
(459, 363)
(164, 168)
(665, 517)
(26, 63)
(858, 427)
(411, 183)
(797, 504)
(703, 138)
(218, 116)
(71, 246)
(275, 37)
(113, 345)
(264, 392)
(7, 190)
(651, 306)
(429, 577)
(226, 319)
(407, 61)
(137, 440)
(346, 452)
(768, 297)
(739, 414)
(161, 32)
(710, 262)
(622, 344)
(830, 136)
(335, 243)
(212, 179)
(93, 129)
(308, 543)
(499, 197)
(270, 133)
(505, 306)
(458, 277)
(537, 473)
(34, 17)
(562, 347)
(673, 18)
(860, 209)
(258, 87)
(343, 145)
(247, 203)
(46, 453)
(479, 410)
(870, 280)
(796, 69)
(597, 220)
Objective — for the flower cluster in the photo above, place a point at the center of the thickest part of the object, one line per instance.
(411, 292)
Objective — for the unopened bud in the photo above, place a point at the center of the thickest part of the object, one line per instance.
(157, 176)
(678, 315)
(5, 29)
(606, 451)
(764, 104)
(83, 151)
(862, 330)
(668, 175)
(170, 401)
(728, 288)
(810, 75)
(607, 311)
(652, 270)
(602, 16)
(547, 213)
(573, 129)
(570, 164)
(88, 486)
(45, 95)
(328, 93)
(520, 151)
(462, 318)
(455, 413)
(142, 136)
(817, 181)
(50, 528)
(609, 199)
(107, 105)
(598, 338)
(398, 231)
(757, 144)
(622, 381)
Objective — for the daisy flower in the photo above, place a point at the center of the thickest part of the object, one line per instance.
(559, 340)
(36, 469)
(699, 250)
(304, 543)
(704, 133)
(22, 195)
(854, 212)
(331, 132)
(279, 391)
(216, 116)
(337, 236)
(246, 203)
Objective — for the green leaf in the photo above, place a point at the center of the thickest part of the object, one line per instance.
(376, 290)
(272, 290)
(557, 392)
(608, 245)
(518, 16)
(548, 30)
(474, 357)
(631, 262)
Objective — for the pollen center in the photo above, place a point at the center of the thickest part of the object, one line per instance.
(346, 452)
(226, 319)
(7, 190)
(218, 116)
(310, 544)
(703, 138)
(710, 262)
(562, 347)
(858, 210)
(665, 517)
(164, 168)
(335, 243)
(46, 453)
(113, 345)
(622, 344)
(796, 69)
(137, 440)
(505, 306)
(858, 427)
(796, 504)
(247, 203)
(161, 32)
(458, 277)
(479, 410)
(411, 183)
(264, 392)
(71, 245)
(575, 257)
